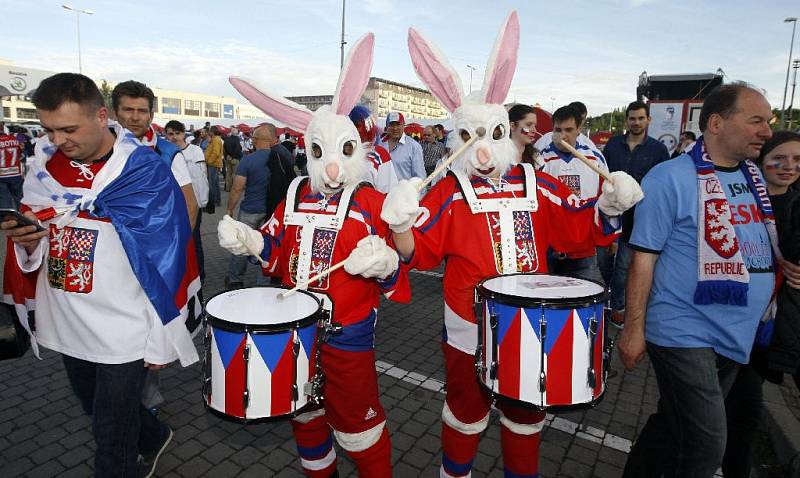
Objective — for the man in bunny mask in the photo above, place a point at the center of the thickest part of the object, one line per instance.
(326, 218)
(489, 216)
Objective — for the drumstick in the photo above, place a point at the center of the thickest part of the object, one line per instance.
(481, 132)
(603, 173)
(252, 252)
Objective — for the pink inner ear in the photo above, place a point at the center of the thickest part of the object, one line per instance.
(355, 75)
(433, 69)
(503, 62)
(275, 106)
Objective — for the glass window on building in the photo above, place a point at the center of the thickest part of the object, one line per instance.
(6, 112)
(26, 113)
(212, 110)
(171, 106)
(155, 103)
(192, 107)
(227, 111)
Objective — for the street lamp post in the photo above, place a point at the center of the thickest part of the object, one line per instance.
(795, 66)
(78, 12)
(793, 21)
(343, 43)
(471, 69)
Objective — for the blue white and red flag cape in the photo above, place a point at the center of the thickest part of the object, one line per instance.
(147, 209)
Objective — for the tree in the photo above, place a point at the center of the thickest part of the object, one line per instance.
(105, 90)
(613, 121)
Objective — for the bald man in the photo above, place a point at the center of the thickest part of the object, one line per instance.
(252, 178)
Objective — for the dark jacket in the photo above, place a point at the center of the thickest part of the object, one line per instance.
(232, 146)
(281, 166)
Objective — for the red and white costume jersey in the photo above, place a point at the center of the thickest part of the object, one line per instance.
(577, 176)
(354, 298)
(479, 245)
(381, 172)
(10, 155)
(89, 303)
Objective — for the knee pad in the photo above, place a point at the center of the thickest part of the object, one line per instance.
(521, 428)
(354, 442)
(308, 416)
(461, 427)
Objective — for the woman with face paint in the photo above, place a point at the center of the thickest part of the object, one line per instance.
(780, 165)
(523, 131)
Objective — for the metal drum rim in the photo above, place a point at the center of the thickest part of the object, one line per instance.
(229, 326)
(515, 300)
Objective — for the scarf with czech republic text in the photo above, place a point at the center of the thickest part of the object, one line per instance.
(722, 275)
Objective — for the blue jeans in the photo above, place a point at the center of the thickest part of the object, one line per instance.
(214, 196)
(11, 192)
(238, 264)
(615, 272)
(123, 428)
(583, 268)
(686, 436)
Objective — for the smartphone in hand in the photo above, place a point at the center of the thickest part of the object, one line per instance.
(22, 220)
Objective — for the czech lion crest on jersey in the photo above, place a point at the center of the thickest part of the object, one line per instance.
(719, 233)
(321, 257)
(527, 260)
(70, 262)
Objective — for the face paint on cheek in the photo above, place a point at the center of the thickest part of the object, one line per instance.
(772, 165)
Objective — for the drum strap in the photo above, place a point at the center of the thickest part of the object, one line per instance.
(308, 222)
(505, 207)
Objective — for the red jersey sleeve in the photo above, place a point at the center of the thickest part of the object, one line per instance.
(433, 227)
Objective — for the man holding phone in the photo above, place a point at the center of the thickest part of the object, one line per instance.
(112, 215)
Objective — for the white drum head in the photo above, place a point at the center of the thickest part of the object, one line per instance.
(542, 286)
(260, 306)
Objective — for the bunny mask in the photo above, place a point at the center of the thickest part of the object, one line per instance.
(336, 156)
(492, 155)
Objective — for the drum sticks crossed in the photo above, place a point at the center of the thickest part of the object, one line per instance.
(480, 133)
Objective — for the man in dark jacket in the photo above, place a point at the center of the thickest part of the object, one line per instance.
(232, 146)
(281, 166)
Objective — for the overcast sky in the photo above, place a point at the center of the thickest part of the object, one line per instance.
(593, 51)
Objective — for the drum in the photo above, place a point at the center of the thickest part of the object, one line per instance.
(541, 340)
(260, 353)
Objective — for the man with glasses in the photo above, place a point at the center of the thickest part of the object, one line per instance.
(405, 152)
(252, 178)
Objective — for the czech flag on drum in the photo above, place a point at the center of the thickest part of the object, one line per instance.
(569, 354)
(266, 366)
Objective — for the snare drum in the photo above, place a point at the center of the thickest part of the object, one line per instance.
(260, 352)
(541, 339)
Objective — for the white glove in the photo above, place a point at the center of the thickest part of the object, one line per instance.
(401, 207)
(620, 195)
(372, 258)
(239, 238)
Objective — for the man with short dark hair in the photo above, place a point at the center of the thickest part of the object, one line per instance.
(700, 281)
(133, 104)
(581, 112)
(635, 153)
(438, 129)
(251, 181)
(432, 150)
(586, 184)
(685, 143)
(405, 152)
(232, 146)
(127, 229)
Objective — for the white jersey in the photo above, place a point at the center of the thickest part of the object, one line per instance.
(547, 138)
(180, 171)
(196, 166)
(574, 173)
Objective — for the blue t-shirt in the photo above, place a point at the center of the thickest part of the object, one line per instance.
(254, 167)
(666, 223)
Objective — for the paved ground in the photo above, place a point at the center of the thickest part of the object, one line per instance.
(44, 433)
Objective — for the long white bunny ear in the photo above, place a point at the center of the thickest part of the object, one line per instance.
(503, 62)
(355, 75)
(434, 70)
(276, 106)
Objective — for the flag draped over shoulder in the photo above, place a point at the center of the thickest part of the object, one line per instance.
(137, 193)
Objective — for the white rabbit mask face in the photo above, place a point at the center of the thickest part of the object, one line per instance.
(494, 153)
(490, 156)
(336, 157)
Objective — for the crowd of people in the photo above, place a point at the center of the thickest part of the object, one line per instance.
(699, 251)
